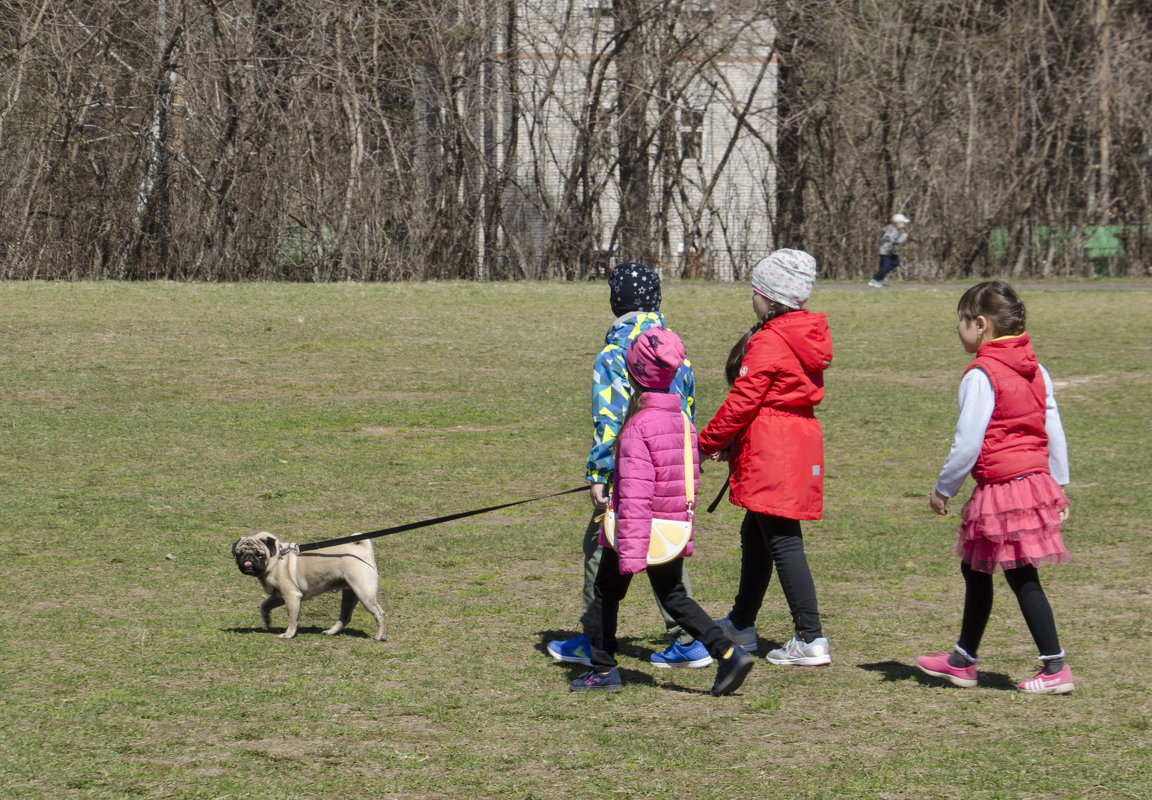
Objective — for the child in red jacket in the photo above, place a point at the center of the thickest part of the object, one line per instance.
(656, 474)
(767, 431)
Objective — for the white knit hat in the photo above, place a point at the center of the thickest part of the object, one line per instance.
(900, 218)
(785, 277)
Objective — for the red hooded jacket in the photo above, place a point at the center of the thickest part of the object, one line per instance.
(777, 456)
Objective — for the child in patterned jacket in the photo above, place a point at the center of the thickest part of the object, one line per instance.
(657, 471)
(635, 300)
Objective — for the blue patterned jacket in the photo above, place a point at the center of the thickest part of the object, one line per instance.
(611, 390)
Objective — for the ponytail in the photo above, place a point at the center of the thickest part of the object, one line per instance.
(736, 354)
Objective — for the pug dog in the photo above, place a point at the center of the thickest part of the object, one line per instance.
(291, 577)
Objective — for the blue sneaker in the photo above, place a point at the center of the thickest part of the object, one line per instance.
(577, 650)
(693, 656)
(593, 681)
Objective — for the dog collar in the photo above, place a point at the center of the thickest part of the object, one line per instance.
(288, 548)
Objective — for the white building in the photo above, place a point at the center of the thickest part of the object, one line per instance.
(697, 80)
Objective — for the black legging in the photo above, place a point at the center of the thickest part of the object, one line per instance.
(1025, 584)
(766, 541)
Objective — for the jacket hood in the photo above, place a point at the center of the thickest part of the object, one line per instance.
(1014, 352)
(629, 326)
(807, 335)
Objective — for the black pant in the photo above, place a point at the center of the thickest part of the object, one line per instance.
(766, 541)
(592, 554)
(887, 264)
(668, 585)
(1025, 583)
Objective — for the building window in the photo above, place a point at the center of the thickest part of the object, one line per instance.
(598, 6)
(691, 133)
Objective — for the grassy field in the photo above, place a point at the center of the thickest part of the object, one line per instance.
(144, 427)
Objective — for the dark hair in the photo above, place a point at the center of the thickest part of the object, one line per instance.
(736, 354)
(633, 406)
(998, 303)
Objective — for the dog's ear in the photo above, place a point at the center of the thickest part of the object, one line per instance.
(234, 546)
(270, 543)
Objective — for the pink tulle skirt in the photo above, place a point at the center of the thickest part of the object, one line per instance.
(1012, 524)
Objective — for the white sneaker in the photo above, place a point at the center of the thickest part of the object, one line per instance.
(745, 637)
(875, 284)
(798, 653)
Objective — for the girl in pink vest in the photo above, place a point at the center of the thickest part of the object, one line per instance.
(1010, 439)
(650, 481)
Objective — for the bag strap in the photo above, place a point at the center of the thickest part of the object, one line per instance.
(689, 484)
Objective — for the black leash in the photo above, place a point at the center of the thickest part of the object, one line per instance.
(356, 537)
(716, 502)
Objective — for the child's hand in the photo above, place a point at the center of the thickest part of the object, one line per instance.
(1064, 515)
(722, 455)
(938, 503)
(600, 496)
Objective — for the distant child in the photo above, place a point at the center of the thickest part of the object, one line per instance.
(893, 236)
(1010, 438)
(634, 296)
(767, 430)
(651, 481)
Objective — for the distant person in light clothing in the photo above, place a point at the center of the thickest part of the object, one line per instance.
(893, 236)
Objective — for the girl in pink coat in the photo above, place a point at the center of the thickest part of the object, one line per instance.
(650, 481)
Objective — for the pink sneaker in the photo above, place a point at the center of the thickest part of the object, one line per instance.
(1060, 683)
(937, 666)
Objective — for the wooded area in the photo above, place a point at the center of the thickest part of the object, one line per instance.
(363, 139)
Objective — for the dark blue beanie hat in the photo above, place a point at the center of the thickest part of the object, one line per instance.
(634, 287)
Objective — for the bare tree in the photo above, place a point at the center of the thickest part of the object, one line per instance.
(991, 124)
(491, 139)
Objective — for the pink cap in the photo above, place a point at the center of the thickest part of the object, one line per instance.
(654, 358)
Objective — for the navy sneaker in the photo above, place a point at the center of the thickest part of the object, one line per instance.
(577, 650)
(693, 656)
(745, 637)
(732, 671)
(593, 681)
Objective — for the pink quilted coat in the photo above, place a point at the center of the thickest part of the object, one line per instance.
(649, 477)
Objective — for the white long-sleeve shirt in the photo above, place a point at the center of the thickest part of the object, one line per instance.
(977, 400)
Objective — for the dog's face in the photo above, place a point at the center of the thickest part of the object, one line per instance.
(252, 553)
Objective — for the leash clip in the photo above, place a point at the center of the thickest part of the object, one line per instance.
(288, 548)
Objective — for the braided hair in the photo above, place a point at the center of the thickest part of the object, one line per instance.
(736, 355)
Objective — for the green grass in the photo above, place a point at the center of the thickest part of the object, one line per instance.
(144, 427)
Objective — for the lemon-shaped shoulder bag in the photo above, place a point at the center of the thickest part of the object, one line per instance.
(669, 536)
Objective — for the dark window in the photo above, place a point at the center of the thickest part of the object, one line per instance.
(691, 133)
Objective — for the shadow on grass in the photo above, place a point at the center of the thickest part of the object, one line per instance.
(274, 632)
(895, 671)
